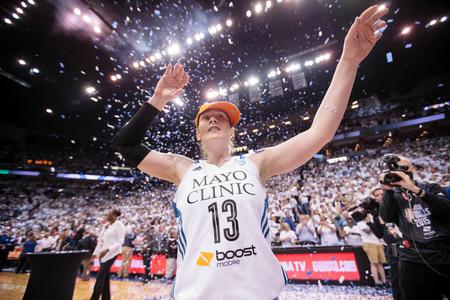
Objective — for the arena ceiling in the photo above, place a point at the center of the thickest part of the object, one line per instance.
(53, 51)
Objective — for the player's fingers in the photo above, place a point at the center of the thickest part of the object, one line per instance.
(376, 16)
(168, 70)
(180, 73)
(367, 13)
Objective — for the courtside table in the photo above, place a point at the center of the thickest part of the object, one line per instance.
(53, 274)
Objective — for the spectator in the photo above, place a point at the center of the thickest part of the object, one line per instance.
(327, 232)
(28, 247)
(287, 236)
(306, 231)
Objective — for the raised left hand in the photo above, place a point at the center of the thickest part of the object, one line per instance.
(363, 34)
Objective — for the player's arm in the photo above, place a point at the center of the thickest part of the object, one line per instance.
(128, 140)
(296, 151)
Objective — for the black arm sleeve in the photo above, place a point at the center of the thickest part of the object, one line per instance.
(128, 139)
(439, 205)
(389, 211)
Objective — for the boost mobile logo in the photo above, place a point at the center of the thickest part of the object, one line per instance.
(204, 259)
(227, 258)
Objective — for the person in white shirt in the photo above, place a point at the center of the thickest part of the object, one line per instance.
(109, 245)
(287, 236)
(327, 232)
(306, 231)
(374, 249)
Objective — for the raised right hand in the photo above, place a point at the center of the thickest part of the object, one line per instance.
(169, 86)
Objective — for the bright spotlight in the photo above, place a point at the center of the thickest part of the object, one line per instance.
(22, 62)
(212, 30)
(444, 18)
(248, 13)
(218, 27)
(189, 41)
(34, 70)
(258, 8)
(229, 23)
(49, 111)
(15, 16)
(178, 101)
(158, 55)
(271, 74)
(199, 36)
(24, 5)
(268, 4)
(407, 30)
(7, 21)
(235, 86)
(77, 11)
(212, 94)
(174, 49)
(97, 29)
(136, 64)
(19, 10)
(118, 76)
(90, 90)
(31, 2)
(253, 81)
(433, 22)
(87, 19)
(309, 63)
(142, 63)
(113, 77)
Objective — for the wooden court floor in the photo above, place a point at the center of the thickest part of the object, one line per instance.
(12, 287)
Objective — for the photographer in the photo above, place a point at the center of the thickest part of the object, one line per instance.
(422, 213)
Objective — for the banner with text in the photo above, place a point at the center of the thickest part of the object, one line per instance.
(340, 266)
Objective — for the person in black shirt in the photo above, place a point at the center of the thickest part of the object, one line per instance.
(422, 213)
(87, 242)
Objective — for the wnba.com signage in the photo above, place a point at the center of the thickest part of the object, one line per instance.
(341, 266)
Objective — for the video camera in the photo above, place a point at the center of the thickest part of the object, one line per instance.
(389, 163)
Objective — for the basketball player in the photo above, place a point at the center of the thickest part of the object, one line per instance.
(221, 203)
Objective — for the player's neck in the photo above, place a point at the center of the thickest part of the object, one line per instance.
(218, 159)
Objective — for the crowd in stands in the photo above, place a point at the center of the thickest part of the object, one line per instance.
(307, 206)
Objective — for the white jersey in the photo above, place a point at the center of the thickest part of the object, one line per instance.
(224, 250)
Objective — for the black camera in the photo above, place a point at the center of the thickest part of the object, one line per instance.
(389, 163)
(367, 205)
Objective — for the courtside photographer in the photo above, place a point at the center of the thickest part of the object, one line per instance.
(422, 213)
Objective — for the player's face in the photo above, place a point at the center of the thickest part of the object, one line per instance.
(214, 124)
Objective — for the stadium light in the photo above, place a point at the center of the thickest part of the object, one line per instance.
(407, 30)
(90, 90)
(77, 11)
(22, 62)
(258, 8)
(212, 94)
(444, 18)
(24, 5)
(293, 67)
(19, 10)
(34, 70)
(268, 4)
(15, 16)
(87, 19)
(7, 21)
(189, 41)
(97, 29)
(248, 13)
(174, 49)
(31, 2)
(229, 23)
(253, 81)
(178, 101)
(49, 111)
